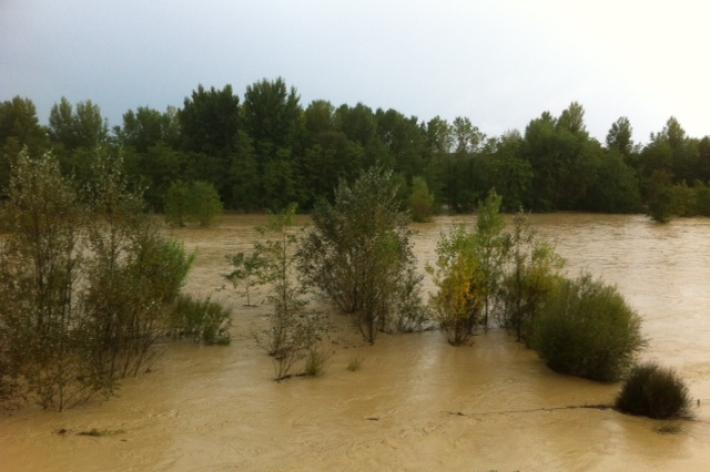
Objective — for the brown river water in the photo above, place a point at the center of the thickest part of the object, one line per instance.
(416, 403)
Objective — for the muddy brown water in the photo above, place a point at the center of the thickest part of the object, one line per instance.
(216, 409)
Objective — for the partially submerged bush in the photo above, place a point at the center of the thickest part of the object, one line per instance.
(458, 278)
(587, 329)
(533, 272)
(200, 320)
(196, 202)
(246, 272)
(86, 282)
(354, 364)
(315, 362)
(653, 391)
(421, 200)
(359, 251)
(39, 266)
(294, 331)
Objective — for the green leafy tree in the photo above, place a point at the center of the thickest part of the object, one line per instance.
(195, 202)
(77, 127)
(491, 250)
(421, 201)
(359, 252)
(177, 203)
(204, 203)
(39, 261)
(460, 285)
(295, 330)
(660, 197)
(19, 129)
(246, 272)
(619, 137)
(531, 276)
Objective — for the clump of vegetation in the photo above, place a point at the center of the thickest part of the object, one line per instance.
(133, 278)
(533, 271)
(196, 202)
(459, 281)
(421, 200)
(39, 266)
(354, 364)
(469, 272)
(87, 282)
(295, 331)
(200, 320)
(245, 272)
(587, 329)
(315, 362)
(491, 247)
(654, 391)
(359, 252)
(660, 196)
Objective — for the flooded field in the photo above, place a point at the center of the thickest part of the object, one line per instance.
(416, 403)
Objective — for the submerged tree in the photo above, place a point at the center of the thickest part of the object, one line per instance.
(359, 252)
(533, 270)
(421, 201)
(39, 264)
(294, 330)
(87, 282)
(460, 285)
(246, 272)
(196, 202)
(491, 248)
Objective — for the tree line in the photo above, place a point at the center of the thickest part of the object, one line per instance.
(265, 150)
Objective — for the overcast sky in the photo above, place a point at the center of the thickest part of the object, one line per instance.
(500, 63)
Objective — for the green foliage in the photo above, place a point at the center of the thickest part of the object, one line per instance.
(246, 272)
(39, 259)
(491, 250)
(619, 137)
(653, 391)
(587, 329)
(19, 129)
(359, 253)
(200, 320)
(660, 197)
(421, 201)
(86, 282)
(533, 272)
(197, 202)
(205, 205)
(267, 151)
(460, 285)
(295, 330)
(77, 127)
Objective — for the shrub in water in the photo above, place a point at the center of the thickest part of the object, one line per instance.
(359, 251)
(202, 320)
(315, 362)
(587, 329)
(421, 201)
(195, 202)
(354, 364)
(533, 272)
(653, 391)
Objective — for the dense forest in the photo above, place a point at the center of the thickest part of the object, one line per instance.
(265, 150)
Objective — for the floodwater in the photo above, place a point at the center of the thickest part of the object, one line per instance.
(416, 403)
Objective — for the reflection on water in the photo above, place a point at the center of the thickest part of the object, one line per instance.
(216, 408)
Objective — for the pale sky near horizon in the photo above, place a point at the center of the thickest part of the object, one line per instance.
(500, 63)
